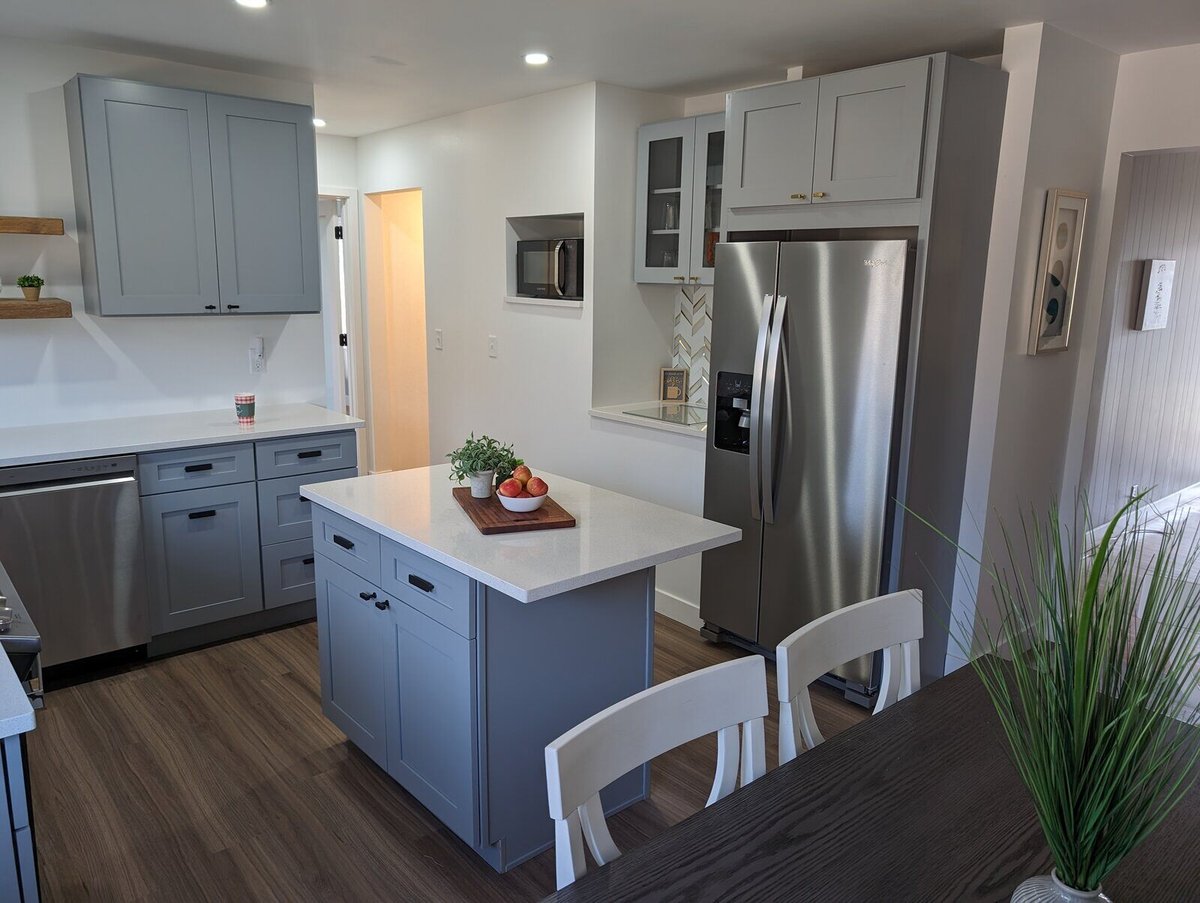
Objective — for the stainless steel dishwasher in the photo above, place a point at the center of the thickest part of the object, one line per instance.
(71, 541)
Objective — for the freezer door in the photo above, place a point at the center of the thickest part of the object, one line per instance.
(743, 295)
(828, 442)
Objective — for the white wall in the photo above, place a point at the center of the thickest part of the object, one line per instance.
(89, 367)
(1056, 125)
(337, 161)
(477, 168)
(1155, 107)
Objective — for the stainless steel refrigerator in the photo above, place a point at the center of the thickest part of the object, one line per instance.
(809, 344)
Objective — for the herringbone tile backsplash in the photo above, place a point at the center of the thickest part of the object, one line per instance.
(693, 338)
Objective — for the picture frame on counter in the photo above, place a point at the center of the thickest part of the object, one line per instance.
(1058, 270)
(673, 384)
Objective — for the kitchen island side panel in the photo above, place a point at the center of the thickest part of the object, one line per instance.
(547, 666)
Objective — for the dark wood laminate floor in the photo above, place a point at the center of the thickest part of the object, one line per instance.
(212, 775)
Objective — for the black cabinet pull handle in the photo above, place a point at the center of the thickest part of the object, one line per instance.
(367, 597)
(382, 604)
(343, 542)
(210, 307)
(311, 453)
(420, 583)
(196, 468)
(309, 560)
(196, 515)
(233, 306)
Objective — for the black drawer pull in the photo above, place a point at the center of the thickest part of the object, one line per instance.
(196, 468)
(367, 597)
(311, 453)
(343, 542)
(196, 515)
(232, 306)
(420, 583)
(382, 604)
(210, 307)
(309, 560)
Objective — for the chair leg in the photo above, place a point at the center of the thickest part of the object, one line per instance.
(569, 863)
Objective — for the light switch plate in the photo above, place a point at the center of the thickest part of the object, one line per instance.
(493, 346)
(437, 340)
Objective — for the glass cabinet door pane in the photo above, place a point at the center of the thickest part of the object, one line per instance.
(665, 193)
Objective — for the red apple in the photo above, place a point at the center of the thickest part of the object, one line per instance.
(524, 495)
(523, 474)
(536, 486)
(511, 488)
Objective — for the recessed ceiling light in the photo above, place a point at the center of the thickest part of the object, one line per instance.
(537, 58)
(319, 122)
(253, 4)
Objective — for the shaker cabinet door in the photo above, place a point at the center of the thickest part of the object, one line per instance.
(353, 640)
(432, 747)
(202, 555)
(870, 132)
(707, 187)
(769, 145)
(148, 190)
(265, 198)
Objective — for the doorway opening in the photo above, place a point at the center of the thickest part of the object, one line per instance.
(397, 375)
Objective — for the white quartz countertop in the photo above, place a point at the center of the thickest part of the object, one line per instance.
(615, 534)
(154, 432)
(16, 712)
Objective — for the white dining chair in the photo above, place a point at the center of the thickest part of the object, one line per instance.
(893, 623)
(729, 700)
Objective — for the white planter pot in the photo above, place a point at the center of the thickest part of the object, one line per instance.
(481, 484)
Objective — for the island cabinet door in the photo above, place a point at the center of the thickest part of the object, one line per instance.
(352, 639)
(432, 746)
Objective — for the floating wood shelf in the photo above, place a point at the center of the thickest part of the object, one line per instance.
(31, 225)
(42, 309)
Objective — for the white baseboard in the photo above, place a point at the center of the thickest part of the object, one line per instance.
(677, 609)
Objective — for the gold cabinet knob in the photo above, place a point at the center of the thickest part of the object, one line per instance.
(694, 278)
(818, 194)
(679, 278)
(799, 196)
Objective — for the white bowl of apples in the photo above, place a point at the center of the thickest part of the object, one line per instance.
(522, 492)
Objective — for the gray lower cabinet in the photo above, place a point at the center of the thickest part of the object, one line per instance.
(356, 664)
(289, 573)
(264, 174)
(18, 858)
(143, 197)
(432, 743)
(202, 555)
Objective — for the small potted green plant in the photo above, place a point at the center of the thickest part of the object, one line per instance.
(483, 461)
(31, 286)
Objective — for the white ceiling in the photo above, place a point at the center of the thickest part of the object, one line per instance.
(382, 63)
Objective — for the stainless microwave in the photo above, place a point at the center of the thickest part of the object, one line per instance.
(551, 268)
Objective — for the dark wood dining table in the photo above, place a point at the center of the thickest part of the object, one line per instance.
(917, 803)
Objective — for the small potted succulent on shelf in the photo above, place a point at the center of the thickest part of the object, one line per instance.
(483, 461)
(31, 286)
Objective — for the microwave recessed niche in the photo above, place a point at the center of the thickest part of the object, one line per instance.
(546, 260)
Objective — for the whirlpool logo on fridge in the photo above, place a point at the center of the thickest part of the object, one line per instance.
(875, 261)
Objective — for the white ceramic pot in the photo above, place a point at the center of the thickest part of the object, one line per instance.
(481, 484)
(1048, 889)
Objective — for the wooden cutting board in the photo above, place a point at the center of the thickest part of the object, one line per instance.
(490, 517)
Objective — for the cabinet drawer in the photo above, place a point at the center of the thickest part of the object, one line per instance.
(430, 587)
(195, 468)
(344, 542)
(283, 514)
(305, 454)
(289, 573)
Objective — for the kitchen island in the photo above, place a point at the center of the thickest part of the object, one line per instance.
(452, 658)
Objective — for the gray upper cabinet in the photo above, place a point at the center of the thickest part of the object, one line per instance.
(192, 203)
(769, 144)
(870, 130)
(264, 176)
(143, 190)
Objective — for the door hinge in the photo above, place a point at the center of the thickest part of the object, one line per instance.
(337, 232)
(343, 340)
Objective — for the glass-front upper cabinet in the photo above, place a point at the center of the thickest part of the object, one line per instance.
(680, 166)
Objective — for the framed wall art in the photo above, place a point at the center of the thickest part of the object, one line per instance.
(672, 384)
(1058, 270)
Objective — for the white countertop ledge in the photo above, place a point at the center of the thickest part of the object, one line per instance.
(615, 534)
(155, 432)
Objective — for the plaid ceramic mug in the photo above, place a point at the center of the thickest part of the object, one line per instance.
(244, 406)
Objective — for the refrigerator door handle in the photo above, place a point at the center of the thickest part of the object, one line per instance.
(756, 394)
(771, 383)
